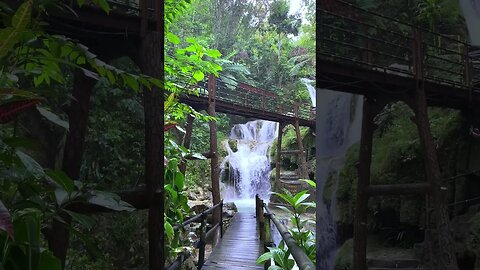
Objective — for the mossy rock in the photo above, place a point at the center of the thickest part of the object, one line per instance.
(344, 259)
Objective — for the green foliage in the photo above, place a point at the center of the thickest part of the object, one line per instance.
(305, 239)
(281, 21)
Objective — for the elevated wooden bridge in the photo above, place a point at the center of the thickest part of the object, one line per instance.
(387, 60)
(249, 101)
(363, 52)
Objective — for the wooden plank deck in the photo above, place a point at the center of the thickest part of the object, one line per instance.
(240, 246)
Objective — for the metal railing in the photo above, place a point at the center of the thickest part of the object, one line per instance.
(355, 36)
(264, 216)
(204, 234)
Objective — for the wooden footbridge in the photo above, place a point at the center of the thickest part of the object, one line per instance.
(248, 236)
(387, 60)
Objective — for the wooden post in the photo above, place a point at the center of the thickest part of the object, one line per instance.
(278, 157)
(263, 101)
(186, 141)
(361, 209)
(143, 17)
(367, 55)
(215, 172)
(151, 63)
(261, 219)
(467, 73)
(72, 157)
(201, 249)
(268, 238)
(221, 219)
(444, 246)
(301, 151)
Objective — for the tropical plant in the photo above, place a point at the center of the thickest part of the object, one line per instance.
(296, 207)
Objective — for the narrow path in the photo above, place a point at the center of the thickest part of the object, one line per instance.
(240, 246)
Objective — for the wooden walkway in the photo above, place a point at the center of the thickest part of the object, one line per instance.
(240, 246)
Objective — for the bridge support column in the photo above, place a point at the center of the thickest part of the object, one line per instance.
(215, 171)
(443, 246)
(371, 108)
(278, 157)
(58, 237)
(301, 151)
(151, 63)
(361, 209)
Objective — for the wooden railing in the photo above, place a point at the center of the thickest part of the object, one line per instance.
(241, 94)
(355, 36)
(200, 244)
(264, 217)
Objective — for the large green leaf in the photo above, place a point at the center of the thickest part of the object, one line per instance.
(23, 16)
(264, 257)
(62, 179)
(168, 229)
(48, 261)
(10, 36)
(5, 220)
(109, 200)
(53, 117)
(87, 221)
(30, 164)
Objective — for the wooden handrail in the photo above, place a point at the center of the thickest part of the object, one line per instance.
(301, 259)
(204, 234)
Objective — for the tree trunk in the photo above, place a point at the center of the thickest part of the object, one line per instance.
(73, 153)
(151, 62)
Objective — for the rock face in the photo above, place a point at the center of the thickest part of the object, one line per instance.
(289, 175)
(466, 229)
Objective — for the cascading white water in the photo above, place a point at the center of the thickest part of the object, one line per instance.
(249, 166)
(311, 90)
(338, 126)
(471, 13)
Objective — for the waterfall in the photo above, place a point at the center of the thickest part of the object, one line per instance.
(338, 126)
(311, 90)
(249, 166)
(471, 13)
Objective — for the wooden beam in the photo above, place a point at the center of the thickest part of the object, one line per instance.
(361, 209)
(398, 189)
(72, 158)
(151, 59)
(215, 171)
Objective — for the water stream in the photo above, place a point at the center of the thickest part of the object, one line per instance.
(311, 90)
